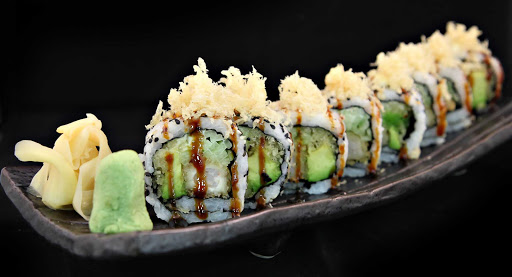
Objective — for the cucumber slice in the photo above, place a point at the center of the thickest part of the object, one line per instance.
(357, 121)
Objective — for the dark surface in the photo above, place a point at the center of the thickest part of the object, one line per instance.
(69, 230)
(120, 59)
(458, 225)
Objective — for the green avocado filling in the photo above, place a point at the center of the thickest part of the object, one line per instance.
(359, 134)
(271, 155)
(428, 103)
(480, 88)
(395, 120)
(172, 163)
(317, 150)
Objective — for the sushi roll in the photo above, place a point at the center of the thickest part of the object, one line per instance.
(350, 94)
(269, 142)
(433, 92)
(403, 118)
(483, 71)
(459, 100)
(320, 145)
(194, 158)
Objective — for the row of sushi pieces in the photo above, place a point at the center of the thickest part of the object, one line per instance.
(222, 147)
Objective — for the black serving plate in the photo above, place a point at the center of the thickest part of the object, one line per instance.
(70, 231)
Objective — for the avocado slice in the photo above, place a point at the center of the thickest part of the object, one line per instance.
(480, 87)
(273, 157)
(178, 183)
(394, 138)
(177, 153)
(162, 160)
(321, 163)
(318, 150)
(395, 120)
(272, 172)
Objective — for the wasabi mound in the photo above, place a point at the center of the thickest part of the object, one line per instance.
(118, 202)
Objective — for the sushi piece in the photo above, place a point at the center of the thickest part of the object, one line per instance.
(320, 143)
(268, 140)
(460, 101)
(350, 94)
(404, 118)
(433, 92)
(483, 71)
(194, 158)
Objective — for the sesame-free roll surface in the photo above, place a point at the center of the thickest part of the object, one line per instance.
(350, 94)
(483, 71)
(403, 118)
(320, 144)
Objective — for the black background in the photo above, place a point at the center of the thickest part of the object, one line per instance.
(116, 60)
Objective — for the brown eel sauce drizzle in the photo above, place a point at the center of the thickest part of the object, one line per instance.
(468, 102)
(298, 141)
(403, 154)
(372, 167)
(441, 118)
(336, 177)
(165, 131)
(198, 161)
(235, 203)
(169, 158)
(260, 202)
(499, 78)
(339, 104)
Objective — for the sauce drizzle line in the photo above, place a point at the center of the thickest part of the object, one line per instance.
(198, 161)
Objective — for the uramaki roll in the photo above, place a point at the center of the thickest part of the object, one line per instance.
(320, 144)
(195, 159)
(269, 142)
(403, 118)
(350, 94)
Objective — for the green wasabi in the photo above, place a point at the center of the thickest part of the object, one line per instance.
(118, 202)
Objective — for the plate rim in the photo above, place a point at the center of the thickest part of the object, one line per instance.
(262, 222)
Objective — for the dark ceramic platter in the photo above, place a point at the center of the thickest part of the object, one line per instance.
(70, 231)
